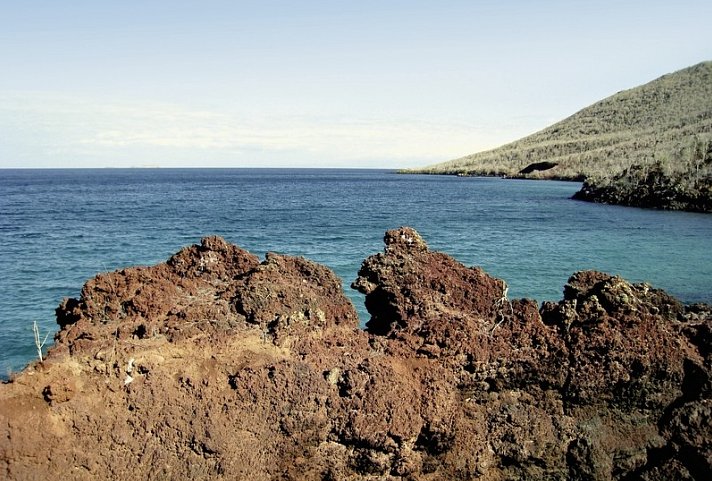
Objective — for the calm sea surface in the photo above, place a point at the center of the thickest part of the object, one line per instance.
(58, 228)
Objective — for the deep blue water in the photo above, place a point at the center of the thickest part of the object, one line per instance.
(58, 228)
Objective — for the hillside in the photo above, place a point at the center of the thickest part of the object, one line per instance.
(662, 122)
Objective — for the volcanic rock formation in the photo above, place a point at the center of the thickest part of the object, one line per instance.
(215, 365)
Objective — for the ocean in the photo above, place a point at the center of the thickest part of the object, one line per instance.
(59, 228)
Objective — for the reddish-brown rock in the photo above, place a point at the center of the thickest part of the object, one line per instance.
(215, 365)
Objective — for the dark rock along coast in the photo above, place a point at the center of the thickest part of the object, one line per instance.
(216, 365)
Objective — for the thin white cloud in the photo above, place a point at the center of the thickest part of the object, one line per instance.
(59, 129)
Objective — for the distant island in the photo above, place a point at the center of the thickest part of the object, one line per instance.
(650, 146)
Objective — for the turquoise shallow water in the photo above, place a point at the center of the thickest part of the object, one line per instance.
(60, 227)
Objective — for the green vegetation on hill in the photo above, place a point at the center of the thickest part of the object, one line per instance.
(660, 124)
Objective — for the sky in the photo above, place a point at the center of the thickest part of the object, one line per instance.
(365, 84)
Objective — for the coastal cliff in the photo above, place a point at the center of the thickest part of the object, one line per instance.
(216, 365)
(654, 187)
(649, 146)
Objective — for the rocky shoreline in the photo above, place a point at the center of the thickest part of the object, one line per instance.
(216, 365)
(649, 187)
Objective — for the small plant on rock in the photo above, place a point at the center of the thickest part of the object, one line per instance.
(38, 344)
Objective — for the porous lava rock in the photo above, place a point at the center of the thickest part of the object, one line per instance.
(216, 365)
